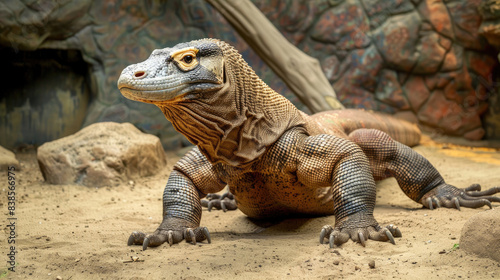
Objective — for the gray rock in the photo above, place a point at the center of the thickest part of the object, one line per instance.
(481, 234)
(8, 158)
(102, 154)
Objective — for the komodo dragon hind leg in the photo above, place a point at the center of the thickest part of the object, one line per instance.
(224, 202)
(416, 176)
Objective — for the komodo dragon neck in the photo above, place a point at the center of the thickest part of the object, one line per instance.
(235, 122)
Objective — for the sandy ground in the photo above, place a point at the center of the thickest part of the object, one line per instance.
(76, 232)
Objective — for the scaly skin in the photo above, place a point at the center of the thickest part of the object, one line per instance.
(276, 160)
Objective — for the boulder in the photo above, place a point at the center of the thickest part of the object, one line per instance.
(7, 158)
(481, 234)
(102, 154)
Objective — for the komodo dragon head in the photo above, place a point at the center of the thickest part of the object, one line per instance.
(212, 97)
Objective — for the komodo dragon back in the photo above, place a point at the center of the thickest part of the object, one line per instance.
(339, 122)
(351, 119)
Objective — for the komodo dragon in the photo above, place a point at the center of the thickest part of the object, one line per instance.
(276, 160)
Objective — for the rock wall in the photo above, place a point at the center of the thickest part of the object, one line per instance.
(425, 60)
(490, 29)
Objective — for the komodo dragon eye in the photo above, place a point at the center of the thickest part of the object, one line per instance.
(186, 58)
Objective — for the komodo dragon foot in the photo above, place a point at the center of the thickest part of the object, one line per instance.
(169, 232)
(358, 227)
(451, 197)
(225, 202)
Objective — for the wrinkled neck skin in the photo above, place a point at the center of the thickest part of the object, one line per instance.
(236, 123)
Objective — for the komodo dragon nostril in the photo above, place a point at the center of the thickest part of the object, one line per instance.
(140, 74)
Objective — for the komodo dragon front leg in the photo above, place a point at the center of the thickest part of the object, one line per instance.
(342, 165)
(192, 178)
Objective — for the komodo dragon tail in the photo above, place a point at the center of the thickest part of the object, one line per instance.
(351, 119)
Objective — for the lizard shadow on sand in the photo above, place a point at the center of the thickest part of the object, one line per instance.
(303, 224)
(281, 226)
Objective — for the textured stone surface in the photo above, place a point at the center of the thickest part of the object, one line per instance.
(350, 25)
(397, 41)
(490, 29)
(375, 53)
(438, 42)
(467, 20)
(389, 90)
(359, 81)
(101, 154)
(480, 235)
(7, 159)
(379, 11)
(416, 91)
(436, 13)
(490, 25)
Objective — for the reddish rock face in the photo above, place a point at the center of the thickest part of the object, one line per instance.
(350, 24)
(397, 41)
(416, 91)
(417, 58)
(389, 90)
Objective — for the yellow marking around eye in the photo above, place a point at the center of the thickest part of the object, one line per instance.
(180, 54)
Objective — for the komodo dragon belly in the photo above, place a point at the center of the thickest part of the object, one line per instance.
(276, 195)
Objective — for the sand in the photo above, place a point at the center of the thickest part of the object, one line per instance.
(77, 232)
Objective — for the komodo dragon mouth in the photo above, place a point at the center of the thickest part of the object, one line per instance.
(172, 74)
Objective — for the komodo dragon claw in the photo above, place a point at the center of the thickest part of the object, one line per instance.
(161, 236)
(338, 236)
(451, 197)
